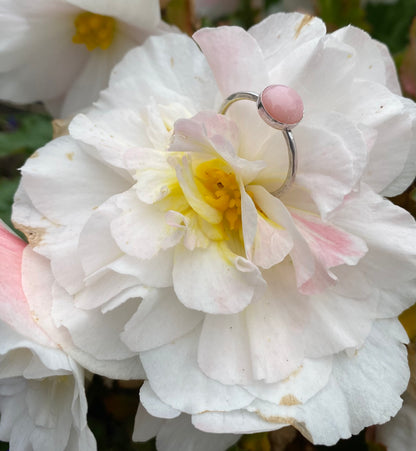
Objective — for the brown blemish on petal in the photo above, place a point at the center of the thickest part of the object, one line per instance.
(70, 156)
(293, 374)
(306, 19)
(34, 316)
(290, 422)
(34, 154)
(34, 235)
(289, 400)
(60, 127)
(172, 61)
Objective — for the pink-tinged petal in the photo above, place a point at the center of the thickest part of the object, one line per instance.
(50, 304)
(272, 243)
(14, 308)
(143, 332)
(207, 132)
(56, 242)
(214, 280)
(331, 245)
(235, 59)
(176, 378)
(214, 135)
(311, 276)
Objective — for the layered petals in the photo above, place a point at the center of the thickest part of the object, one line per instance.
(174, 260)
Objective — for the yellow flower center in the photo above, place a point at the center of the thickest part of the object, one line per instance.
(94, 30)
(220, 189)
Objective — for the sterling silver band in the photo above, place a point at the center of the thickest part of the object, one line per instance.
(285, 128)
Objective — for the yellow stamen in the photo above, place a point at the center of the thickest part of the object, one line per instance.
(94, 30)
(221, 189)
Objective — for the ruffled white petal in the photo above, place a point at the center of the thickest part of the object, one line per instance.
(142, 332)
(176, 379)
(178, 433)
(351, 399)
(223, 282)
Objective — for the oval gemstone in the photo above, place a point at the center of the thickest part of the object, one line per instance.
(283, 104)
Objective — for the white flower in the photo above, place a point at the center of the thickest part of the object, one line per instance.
(178, 433)
(249, 312)
(399, 434)
(62, 51)
(42, 400)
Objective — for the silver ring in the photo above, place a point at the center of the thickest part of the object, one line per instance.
(281, 114)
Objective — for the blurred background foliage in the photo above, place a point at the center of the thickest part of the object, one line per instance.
(113, 404)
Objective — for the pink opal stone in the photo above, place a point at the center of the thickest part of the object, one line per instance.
(283, 104)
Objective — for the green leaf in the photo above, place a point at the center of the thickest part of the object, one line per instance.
(23, 132)
(7, 189)
(339, 13)
(390, 23)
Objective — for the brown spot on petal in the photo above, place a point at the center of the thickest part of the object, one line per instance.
(70, 156)
(289, 400)
(34, 316)
(34, 154)
(293, 374)
(60, 127)
(34, 235)
(306, 19)
(288, 421)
